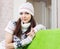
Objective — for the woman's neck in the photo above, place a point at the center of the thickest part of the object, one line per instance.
(25, 26)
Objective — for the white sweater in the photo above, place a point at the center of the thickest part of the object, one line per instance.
(11, 26)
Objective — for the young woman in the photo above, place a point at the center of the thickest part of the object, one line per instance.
(21, 32)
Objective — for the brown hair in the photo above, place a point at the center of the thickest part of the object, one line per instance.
(18, 30)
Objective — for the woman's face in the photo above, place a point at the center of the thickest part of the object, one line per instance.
(25, 17)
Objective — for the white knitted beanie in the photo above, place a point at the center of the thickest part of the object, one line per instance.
(27, 7)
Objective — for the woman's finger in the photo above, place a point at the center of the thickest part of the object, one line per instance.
(32, 30)
(28, 34)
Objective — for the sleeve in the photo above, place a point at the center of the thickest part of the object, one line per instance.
(10, 27)
(23, 42)
(26, 41)
(39, 27)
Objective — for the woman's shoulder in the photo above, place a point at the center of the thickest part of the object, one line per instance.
(39, 27)
(10, 26)
(12, 23)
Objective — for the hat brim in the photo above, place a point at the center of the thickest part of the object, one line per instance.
(24, 10)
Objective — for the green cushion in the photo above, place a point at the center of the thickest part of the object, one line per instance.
(46, 39)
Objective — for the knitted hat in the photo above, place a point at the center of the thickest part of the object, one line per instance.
(27, 7)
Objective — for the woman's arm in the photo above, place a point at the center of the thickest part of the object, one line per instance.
(8, 40)
(29, 38)
(39, 27)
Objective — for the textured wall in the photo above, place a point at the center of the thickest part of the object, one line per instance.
(58, 13)
(6, 13)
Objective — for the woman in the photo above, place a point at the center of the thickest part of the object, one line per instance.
(21, 32)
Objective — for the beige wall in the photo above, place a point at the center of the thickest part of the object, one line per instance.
(6, 13)
(42, 13)
(54, 14)
(58, 13)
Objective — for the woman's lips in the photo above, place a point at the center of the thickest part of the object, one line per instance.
(24, 19)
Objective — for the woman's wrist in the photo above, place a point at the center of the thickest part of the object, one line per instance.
(30, 38)
(14, 44)
(32, 35)
(17, 44)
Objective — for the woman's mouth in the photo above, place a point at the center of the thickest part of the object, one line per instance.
(25, 19)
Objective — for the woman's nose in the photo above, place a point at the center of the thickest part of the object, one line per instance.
(24, 15)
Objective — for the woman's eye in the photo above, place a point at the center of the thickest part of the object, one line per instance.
(26, 13)
(21, 13)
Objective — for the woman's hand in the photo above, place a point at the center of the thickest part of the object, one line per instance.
(31, 33)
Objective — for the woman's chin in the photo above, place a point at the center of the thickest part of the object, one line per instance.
(25, 22)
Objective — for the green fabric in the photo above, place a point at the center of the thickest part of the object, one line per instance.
(46, 39)
(19, 48)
